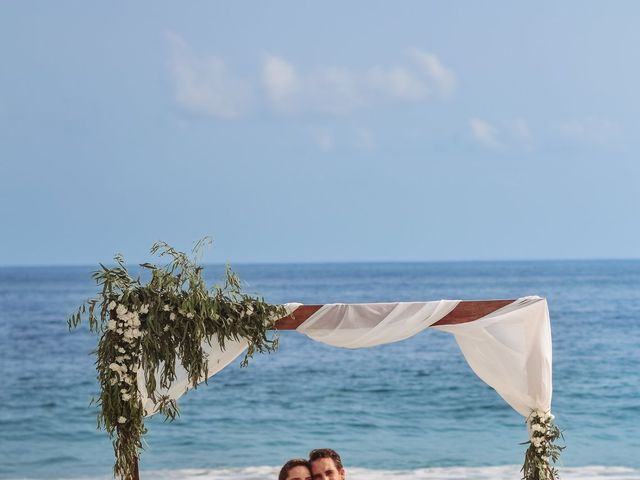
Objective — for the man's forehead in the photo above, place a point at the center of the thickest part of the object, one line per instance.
(323, 463)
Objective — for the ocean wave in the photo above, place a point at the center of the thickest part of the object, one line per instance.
(507, 472)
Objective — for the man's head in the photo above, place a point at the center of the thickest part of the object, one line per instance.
(296, 469)
(326, 465)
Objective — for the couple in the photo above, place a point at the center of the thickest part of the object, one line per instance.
(323, 464)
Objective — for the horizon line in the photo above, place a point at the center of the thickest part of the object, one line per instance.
(340, 262)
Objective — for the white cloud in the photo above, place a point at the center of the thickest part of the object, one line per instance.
(484, 133)
(512, 134)
(281, 82)
(204, 84)
(340, 90)
(443, 77)
(397, 82)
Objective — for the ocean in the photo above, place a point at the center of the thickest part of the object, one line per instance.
(409, 410)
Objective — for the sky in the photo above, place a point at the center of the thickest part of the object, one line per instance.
(300, 131)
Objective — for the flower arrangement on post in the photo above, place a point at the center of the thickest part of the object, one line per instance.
(543, 435)
(149, 326)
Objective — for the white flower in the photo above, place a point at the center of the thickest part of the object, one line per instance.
(123, 390)
(121, 310)
(127, 379)
(122, 420)
(190, 315)
(112, 305)
(125, 397)
(144, 308)
(119, 330)
(166, 328)
(119, 359)
(115, 367)
(121, 350)
(172, 316)
(166, 308)
(113, 381)
(132, 333)
(111, 325)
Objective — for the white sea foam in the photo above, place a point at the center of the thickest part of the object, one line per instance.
(508, 472)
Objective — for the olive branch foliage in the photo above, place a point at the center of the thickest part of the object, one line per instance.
(152, 325)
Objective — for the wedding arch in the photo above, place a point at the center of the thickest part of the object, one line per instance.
(159, 339)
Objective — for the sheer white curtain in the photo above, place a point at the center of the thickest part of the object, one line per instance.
(217, 360)
(509, 349)
(370, 324)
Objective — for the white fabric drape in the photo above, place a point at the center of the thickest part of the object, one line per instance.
(370, 324)
(509, 349)
(217, 360)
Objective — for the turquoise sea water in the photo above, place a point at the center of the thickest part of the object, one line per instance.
(407, 410)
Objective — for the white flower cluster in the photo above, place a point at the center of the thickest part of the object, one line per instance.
(128, 323)
(125, 367)
(539, 424)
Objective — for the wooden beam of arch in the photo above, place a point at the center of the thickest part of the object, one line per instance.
(465, 311)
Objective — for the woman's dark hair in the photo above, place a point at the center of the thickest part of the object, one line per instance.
(296, 462)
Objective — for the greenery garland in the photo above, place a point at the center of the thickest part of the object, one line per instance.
(543, 435)
(150, 325)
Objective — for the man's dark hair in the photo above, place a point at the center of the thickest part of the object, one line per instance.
(296, 462)
(326, 453)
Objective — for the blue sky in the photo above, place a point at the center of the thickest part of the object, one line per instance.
(324, 131)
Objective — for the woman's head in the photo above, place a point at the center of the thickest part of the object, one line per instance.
(296, 469)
